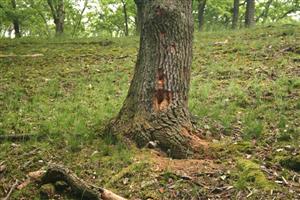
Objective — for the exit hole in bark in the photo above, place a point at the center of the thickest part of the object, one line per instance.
(162, 97)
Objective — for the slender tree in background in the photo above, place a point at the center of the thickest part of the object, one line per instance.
(79, 18)
(12, 14)
(201, 11)
(295, 7)
(264, 14)
(58, 13)
(140, 14)
(250, 13)
(235, 13)
(126, 30)
(156, 107)
(36, 6)
(15, 20)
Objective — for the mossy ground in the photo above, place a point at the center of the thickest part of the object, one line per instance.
(244, 93)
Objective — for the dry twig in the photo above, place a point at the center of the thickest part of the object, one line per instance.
(11, 190)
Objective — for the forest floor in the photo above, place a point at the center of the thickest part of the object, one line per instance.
(244, 94)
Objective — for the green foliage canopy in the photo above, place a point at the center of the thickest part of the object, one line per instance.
(84, 18)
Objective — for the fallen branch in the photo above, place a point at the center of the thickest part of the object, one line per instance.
(122, 57)
(19, 137)
(24, 56)
(101, 43)
(11, 190)
(78, 186)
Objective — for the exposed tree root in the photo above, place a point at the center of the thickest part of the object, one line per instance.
(78, 186)
(172, 131)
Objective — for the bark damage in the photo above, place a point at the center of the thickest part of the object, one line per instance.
(162, 97)
(156, 108)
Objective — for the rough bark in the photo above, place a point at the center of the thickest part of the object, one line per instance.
(250, 13)
(15, 20)
(126, 31)
(58, 14)
(140, 14)
(201, 11)
(235, 12)
(156, 108)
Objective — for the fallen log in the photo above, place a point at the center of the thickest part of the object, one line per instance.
(79, 187)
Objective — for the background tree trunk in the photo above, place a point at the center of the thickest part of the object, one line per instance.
(58, 14)
(250, 13)
(125, 18)
(201, 11)
(16, 23)
(235, 16)
(60, 18)
(140, 14)
(156, 106)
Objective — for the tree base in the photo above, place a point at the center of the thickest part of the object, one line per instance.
(172, 131)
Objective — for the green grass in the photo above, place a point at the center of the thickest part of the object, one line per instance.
(246, 87)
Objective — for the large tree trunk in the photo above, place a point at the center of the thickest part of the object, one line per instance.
(125, 18)
(250, 13)
(139, 14)
(16, 23)
(156, 108)
(201, 11)
(235, 12)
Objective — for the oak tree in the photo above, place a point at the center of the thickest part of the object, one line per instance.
(156, 107)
